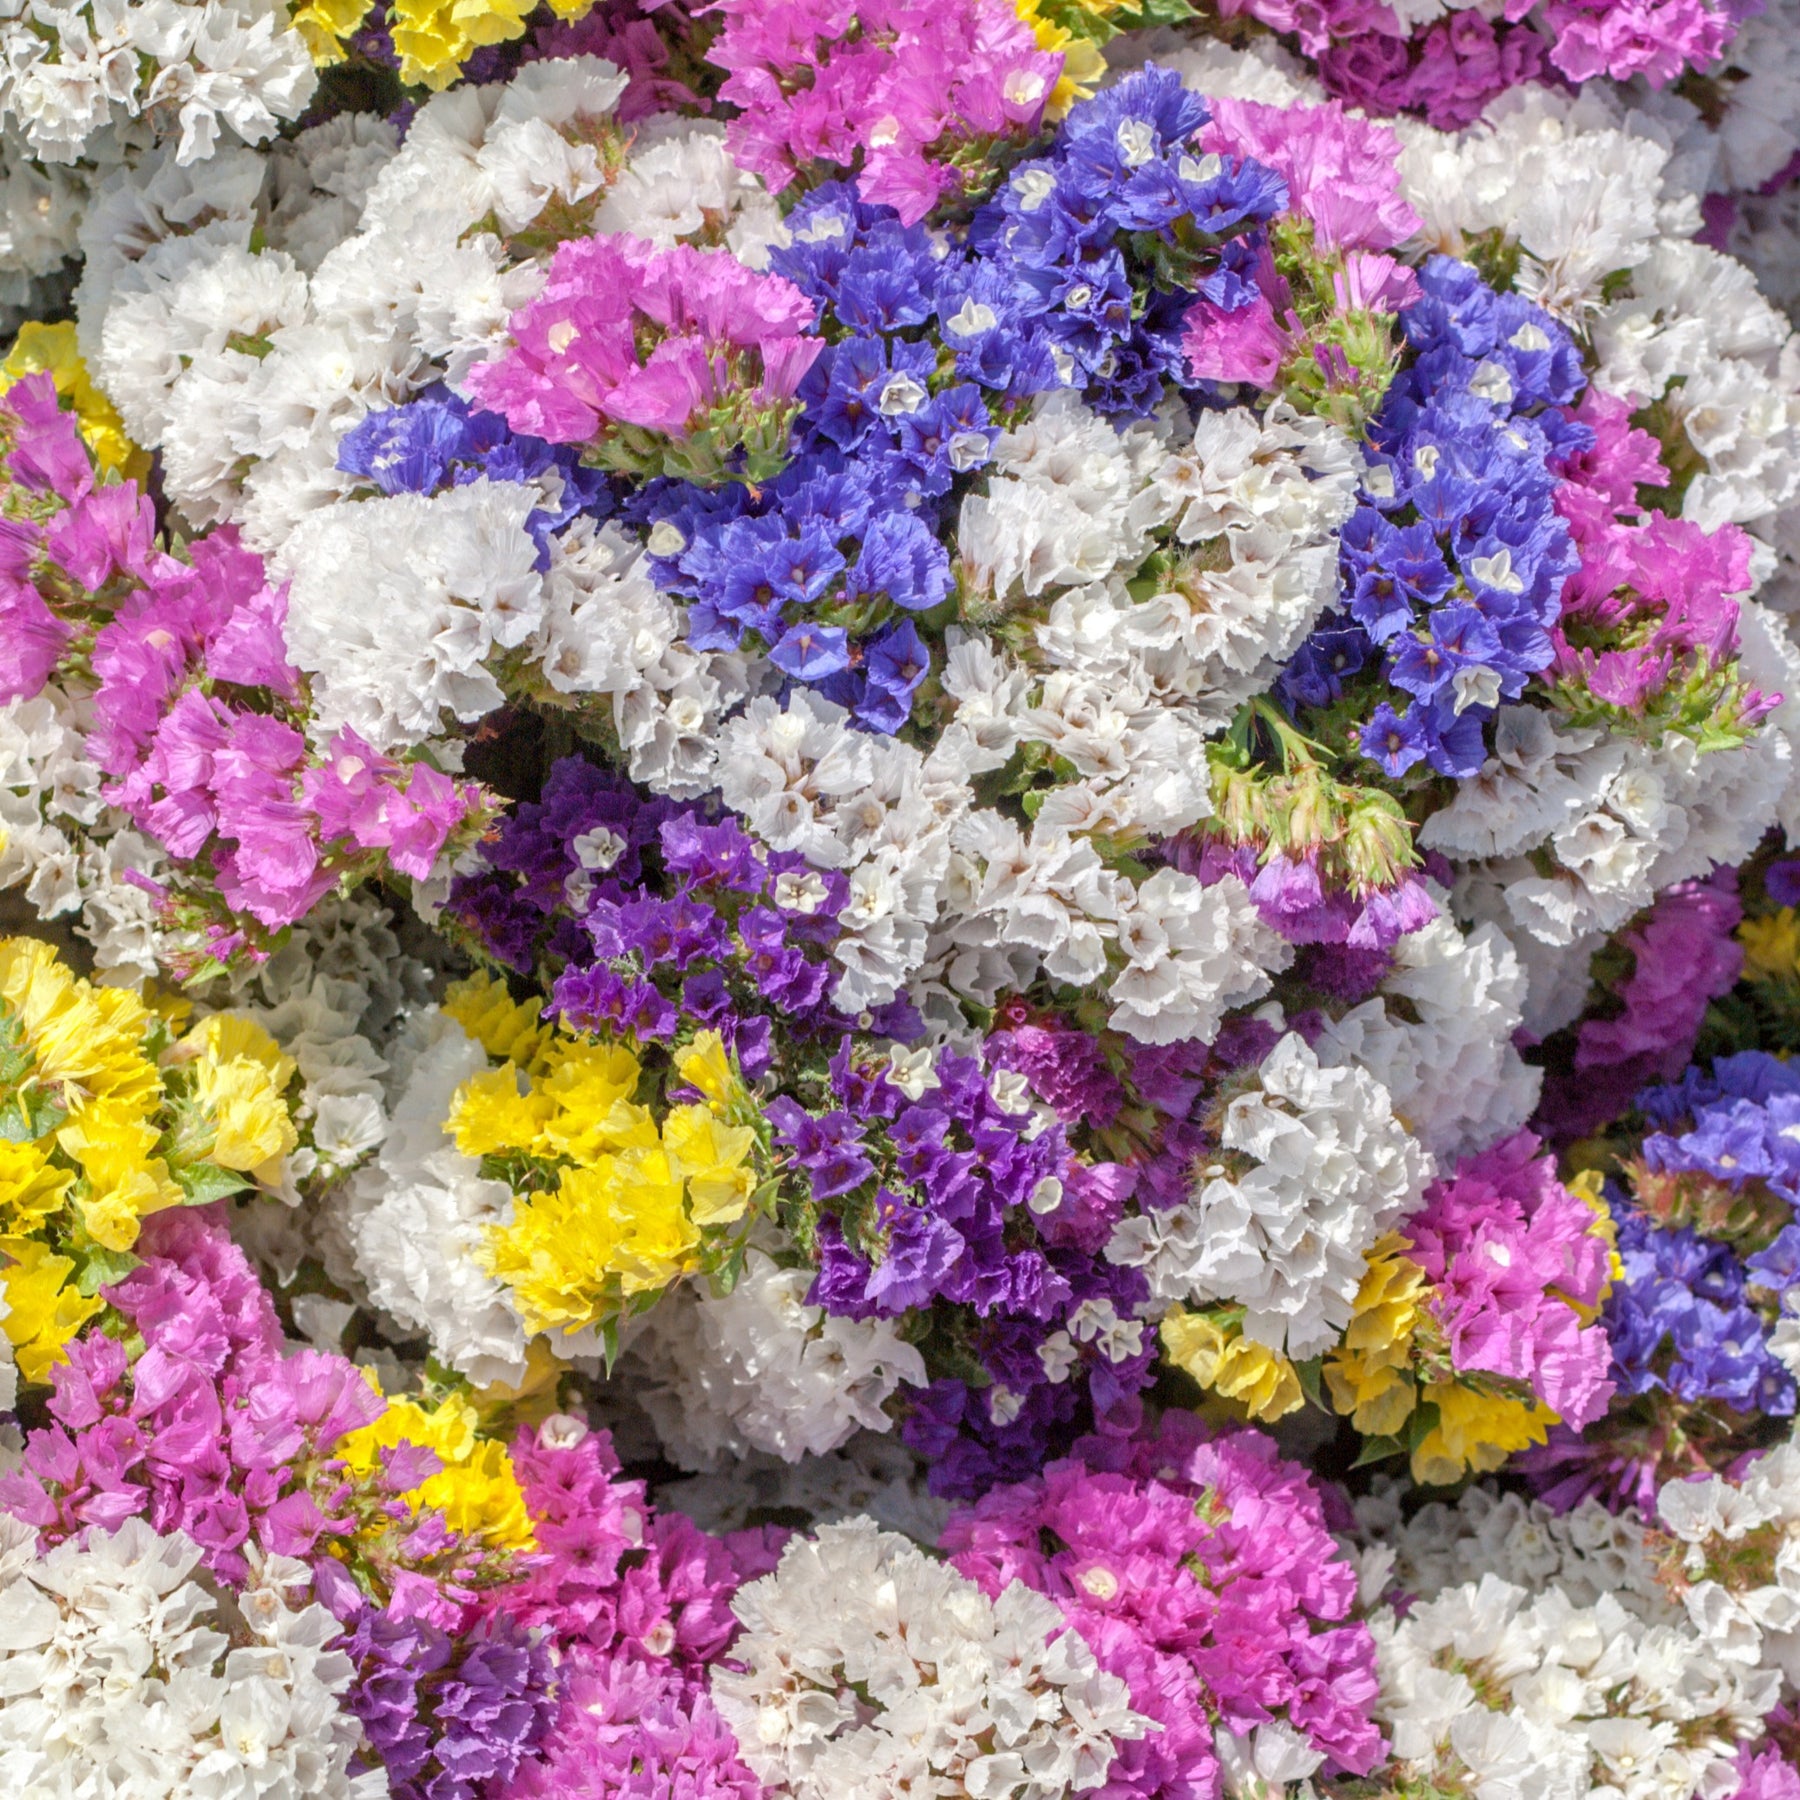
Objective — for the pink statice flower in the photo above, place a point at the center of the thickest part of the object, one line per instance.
(1320, 324)
(1518, 1268)
(1648, 631)
(1684, 956)
(680, 361)
(913, 98)
(1202, 1573)
(198, 720)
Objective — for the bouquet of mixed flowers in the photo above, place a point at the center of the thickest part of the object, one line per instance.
(897, 900)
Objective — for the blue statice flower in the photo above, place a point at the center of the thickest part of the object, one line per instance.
(1681, 1322)
(1453, 565)
(439, 440)
(1106, 242)
(1737, 1123)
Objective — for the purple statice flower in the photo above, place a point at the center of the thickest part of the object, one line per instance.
(651, 913)
(912, 97)
(1516, 1263)
(1684, 956)
(1201, 1572)
(1732, 1128)
(198, 719)
(629, 1730)
(444, 1713)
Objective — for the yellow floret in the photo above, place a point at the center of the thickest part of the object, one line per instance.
(87, 1043)
(617, 1227)
(705, 1065)
(714, 1159)
(252, 1130)
(1475, 1431)
(1771, 946)
(326, 23)
(123, 1182)
(589, 1086)
(42, 349)
(501, 1025)
(44, 1311)
(1264, 1382)
(434, 37)
(31, 1186)
(475, 1490)
(490, 1116)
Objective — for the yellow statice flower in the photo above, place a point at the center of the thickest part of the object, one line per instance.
(433, 38)
(325, 24)
(44, 1310)
(1261, 1380)
(32, 1187)
(589, 1086)
(240, 1079)
(1771, 946)
(502, 1026)
(1368, 1376)
(493, 1114)
(122, 1181)
(1475, 1431)
(1083, 66)
(620, 1225)
(713, 1158)
(475, 1490)
(42, 349)
(86, 1042)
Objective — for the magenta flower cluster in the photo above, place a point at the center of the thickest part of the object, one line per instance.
(1516, 1267)
(1201, 1572)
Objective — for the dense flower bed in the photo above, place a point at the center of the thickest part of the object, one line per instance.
(895, 900)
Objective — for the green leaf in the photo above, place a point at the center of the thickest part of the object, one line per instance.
(203, 1183)
(1378, 1449)
(1311, 1383)
(101, 1267)
(29, 1114)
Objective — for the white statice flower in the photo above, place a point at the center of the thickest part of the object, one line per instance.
(681, 185)
(873, 1475)
(868, 1667)
(126, 1678)
(761, 1369)
(396, 607)
(1693, 333)
(1175, 956)
(417, 1218)
(1742, 1560)
(1490, 1690)
(1581, 197)
(1312, 1168)
(1439, 1038)
(1059, 508)
(69, 853)
(1585, 1552)
(871, 806)
(70, 73)
(41, 208)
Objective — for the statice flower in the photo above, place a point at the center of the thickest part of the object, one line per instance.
(1202, 1575)
(1320, 327)
(1454, 565)
(126, 1675)
(1684, 957)
(917, 101)
(1311, 1168)
(863, 1659)
(676, 361)
(1648, 638)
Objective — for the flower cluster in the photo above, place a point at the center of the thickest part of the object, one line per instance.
(887, 887)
